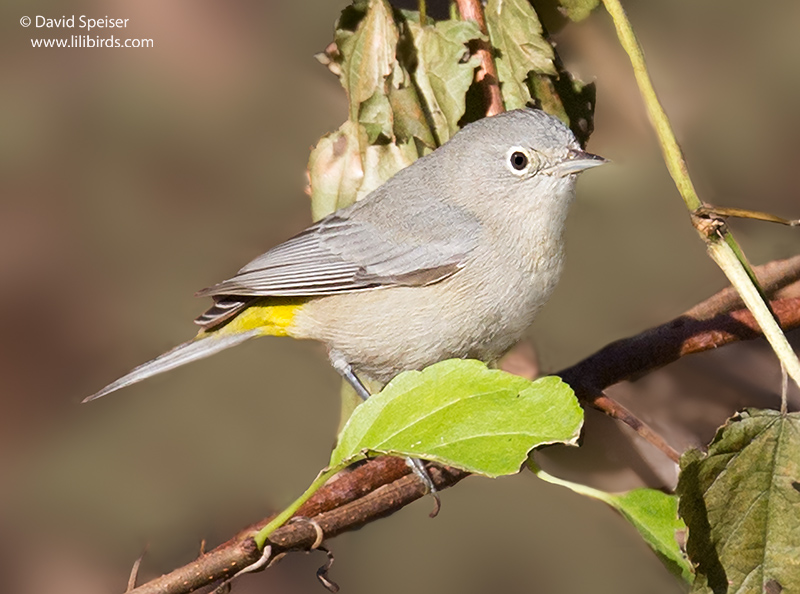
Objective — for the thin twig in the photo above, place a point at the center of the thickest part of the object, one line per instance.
(727, 211)
(486, 76)
(615, 410)
(135, 571)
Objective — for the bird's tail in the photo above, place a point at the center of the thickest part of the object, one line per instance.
(204, 345)
(265, 317)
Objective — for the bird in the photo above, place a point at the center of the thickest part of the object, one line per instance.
(452, 257)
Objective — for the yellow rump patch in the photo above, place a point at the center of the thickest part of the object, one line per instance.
(272, 316)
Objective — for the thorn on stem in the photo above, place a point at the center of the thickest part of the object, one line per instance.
(135, 570)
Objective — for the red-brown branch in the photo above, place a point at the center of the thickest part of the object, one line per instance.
(631, 358)
(615, 410)
(371, 491)
(705, 326)
(486, 76)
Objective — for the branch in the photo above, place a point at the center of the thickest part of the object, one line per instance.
(382, 486)
(707, 325)
(615, 410)
(486, 76)
(369, 492)
(631, 358)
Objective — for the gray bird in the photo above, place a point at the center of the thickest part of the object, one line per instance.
(450, 258)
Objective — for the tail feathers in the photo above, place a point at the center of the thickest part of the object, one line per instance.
(198, 348)
(224, 308)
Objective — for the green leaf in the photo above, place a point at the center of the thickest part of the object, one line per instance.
(366, 56)
(375, 116)
(516, 34)
(410, 121)
(461, 414)
(444, 70)
(741, 502)
(577, 10)
(654, 515)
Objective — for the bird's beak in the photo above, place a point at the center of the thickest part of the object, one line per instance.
(577, 161)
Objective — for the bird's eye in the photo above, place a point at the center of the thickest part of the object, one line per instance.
(519, 160)
(522, 162)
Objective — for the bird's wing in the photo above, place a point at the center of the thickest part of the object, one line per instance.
(358, 249)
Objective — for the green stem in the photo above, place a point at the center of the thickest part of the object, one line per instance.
(666, 137)
(283, 517)
(577, 487)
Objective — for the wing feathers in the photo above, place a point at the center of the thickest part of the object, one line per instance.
(360, 248)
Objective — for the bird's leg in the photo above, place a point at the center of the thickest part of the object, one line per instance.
(344, 369)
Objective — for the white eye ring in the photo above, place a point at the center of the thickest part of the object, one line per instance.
(521, 161)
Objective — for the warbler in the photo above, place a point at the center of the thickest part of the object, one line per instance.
(450, 258)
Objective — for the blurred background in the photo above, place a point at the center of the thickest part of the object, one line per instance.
(130, 178)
